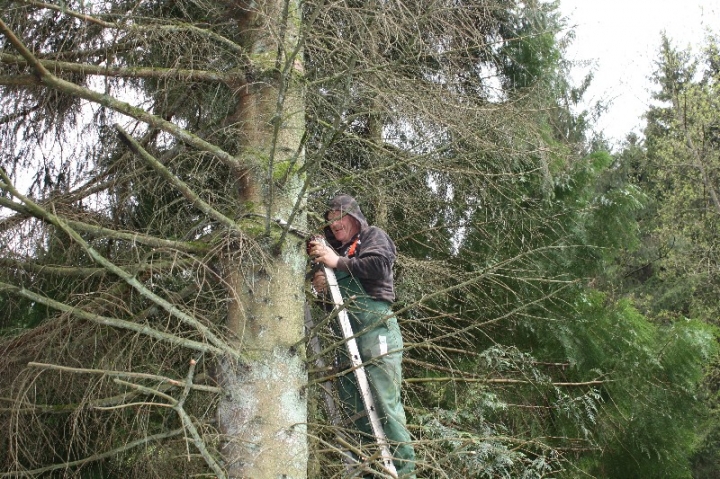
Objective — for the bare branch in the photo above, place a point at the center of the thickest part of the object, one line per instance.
(113, 322)
(127, 277)
(122, 72)
(108, 101)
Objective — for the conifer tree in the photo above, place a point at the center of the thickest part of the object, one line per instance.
(672, 278)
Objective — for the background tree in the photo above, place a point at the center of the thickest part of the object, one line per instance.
(673, 276)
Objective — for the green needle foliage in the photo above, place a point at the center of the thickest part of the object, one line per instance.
(672, 278)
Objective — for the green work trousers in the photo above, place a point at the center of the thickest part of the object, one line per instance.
(380, 345)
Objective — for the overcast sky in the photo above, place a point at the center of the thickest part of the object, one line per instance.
(621, 39)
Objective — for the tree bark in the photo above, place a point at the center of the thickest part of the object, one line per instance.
(263, 411)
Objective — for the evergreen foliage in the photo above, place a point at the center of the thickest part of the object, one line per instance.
(671, 278)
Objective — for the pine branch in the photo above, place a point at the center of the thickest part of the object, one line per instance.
(446, 379)
(103, 232)
(86, 272)
(180, 185)
(120, 72)
(177, 406)
(479, 277)
(108, 101)
(100, 404)
(698, 156)
(19, 80)
(128, 374)
(133, 237)
(139, 27)
(114, 322)
(111, 267)
(65, 11)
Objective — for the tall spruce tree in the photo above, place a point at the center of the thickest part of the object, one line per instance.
(158, 140)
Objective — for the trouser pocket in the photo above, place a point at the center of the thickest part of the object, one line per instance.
(382, 341)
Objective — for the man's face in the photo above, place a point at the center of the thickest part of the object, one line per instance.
(343, 226)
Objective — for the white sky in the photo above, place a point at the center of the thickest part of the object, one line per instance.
(621, 39)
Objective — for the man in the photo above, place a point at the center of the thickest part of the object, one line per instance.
(363, 257)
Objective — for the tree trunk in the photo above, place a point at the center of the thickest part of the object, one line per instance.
(263, 411)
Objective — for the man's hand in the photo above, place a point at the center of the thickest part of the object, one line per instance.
(323, 254)
(319, 282)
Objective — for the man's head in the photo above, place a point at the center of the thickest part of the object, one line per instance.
(344, 218)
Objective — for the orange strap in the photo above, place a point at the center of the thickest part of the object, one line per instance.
(353, 247)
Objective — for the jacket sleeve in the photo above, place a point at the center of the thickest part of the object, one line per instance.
(373, 263)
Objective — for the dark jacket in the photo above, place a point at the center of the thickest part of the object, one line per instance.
(374, 253)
